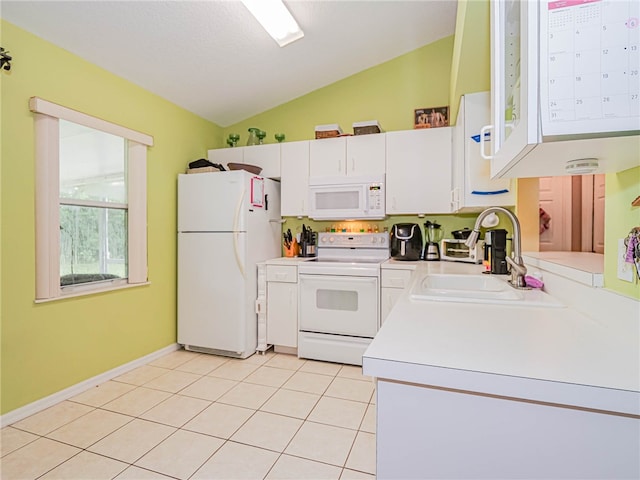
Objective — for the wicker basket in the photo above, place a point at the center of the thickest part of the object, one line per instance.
(328, 131)
(202, 170)
(366, 128)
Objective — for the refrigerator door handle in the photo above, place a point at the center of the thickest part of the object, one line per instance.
(235, 234)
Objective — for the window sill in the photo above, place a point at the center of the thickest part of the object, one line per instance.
(92, 292)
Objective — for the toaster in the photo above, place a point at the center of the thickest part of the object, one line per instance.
(455, 250)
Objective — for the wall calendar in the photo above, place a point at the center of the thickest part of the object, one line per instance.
(589, 64)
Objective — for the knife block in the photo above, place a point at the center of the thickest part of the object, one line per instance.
(293, 250)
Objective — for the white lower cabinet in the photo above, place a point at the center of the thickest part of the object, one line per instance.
(424, 432)
(282, 305)
(393, 282)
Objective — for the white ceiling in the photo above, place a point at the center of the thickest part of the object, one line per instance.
(213, 59)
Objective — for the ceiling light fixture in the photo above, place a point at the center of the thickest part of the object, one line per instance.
(275, 19)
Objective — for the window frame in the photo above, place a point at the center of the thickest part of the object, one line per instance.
(47, 199)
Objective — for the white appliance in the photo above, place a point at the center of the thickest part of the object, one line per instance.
(227, 223)
(455, 250)
(347, 198)
(339, 306)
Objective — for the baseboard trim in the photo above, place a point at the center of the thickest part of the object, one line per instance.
(46, 402)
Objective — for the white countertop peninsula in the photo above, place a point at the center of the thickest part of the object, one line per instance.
(571, 375)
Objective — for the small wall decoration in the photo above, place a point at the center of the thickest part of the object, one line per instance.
(5, 59)
(431, 117)
(257, 192)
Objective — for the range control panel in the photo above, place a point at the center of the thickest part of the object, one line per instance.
(353, 240)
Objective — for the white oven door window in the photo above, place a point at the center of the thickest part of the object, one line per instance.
(339, 305)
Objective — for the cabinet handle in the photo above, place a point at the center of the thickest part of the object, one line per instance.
(485, 131)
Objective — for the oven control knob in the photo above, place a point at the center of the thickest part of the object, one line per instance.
(324, 239)
(383, 239)
(331, 239)
(373, 239)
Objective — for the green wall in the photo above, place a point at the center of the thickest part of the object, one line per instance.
(50, 346)
(620, 217)
(471, 63)
(388, 92)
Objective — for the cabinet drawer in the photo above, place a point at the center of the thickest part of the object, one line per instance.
(282, 273)
(396, 278)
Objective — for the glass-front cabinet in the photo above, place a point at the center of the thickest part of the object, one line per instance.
(565, 87)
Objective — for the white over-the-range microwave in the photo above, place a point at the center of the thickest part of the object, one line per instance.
(347, 198)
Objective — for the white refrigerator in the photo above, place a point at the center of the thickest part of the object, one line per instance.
(227, 223)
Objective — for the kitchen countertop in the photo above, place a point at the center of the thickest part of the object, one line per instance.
(555, 355)
(287, 260)
(584, 267)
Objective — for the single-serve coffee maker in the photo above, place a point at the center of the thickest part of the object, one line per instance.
(432, 245)
(495, 251)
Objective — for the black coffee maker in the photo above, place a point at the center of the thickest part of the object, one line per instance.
(495, 250)
(406, 241)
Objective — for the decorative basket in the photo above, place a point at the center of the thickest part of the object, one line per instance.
(366, 128)
(328, 131)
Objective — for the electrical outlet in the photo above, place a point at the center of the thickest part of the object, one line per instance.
(625, 270)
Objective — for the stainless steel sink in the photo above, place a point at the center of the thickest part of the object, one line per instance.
(477, 289)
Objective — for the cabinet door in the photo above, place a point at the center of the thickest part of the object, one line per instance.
(266, 157)
(419, 171)
(294, 175)
(514, 78)
(327, 157)
(388, 298)
(473, 187)
(366, 154)
(224, 156)
(282, 314)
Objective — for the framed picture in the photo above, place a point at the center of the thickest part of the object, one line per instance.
(431, 117)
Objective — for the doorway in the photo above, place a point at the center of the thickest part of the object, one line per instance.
(572, 213)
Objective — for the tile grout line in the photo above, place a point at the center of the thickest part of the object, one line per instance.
(175, 368)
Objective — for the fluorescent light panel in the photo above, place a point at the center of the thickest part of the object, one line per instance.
(275, 19)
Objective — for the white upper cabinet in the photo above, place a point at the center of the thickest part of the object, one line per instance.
(294, 163)
(419, 171)
(327, 157)
(223, 156)
(472, 187)
(355, 155)
(565, 86)
(366, 154)
(265, 156)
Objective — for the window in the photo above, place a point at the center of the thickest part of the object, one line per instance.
(90, 203)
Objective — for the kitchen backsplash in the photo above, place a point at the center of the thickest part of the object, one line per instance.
(447, 222)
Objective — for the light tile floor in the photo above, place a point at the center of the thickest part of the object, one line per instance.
(196, 416)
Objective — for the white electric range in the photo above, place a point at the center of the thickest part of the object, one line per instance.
(339, 304)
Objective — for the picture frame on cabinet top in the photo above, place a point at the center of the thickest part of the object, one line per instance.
(431, 117)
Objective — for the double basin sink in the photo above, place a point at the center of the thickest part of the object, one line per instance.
(477, 289)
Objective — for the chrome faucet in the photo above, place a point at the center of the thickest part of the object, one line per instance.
(518, 269)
